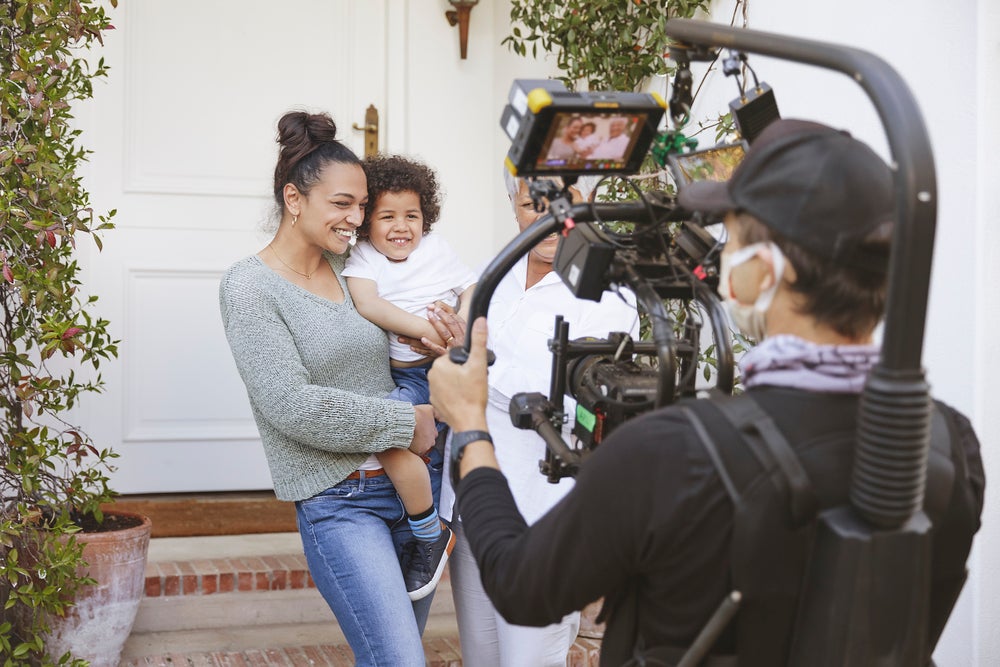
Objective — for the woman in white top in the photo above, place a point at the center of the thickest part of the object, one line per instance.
(521, 319)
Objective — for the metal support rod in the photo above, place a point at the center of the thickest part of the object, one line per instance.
(912, 162)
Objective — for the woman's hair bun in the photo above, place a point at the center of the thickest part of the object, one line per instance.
(299, 130)
(308, 143)
(321, 127)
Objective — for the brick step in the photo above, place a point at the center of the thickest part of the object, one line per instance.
(227, 575)
(244, 603)
(245, 611)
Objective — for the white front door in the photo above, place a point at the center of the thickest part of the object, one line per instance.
(183, 136)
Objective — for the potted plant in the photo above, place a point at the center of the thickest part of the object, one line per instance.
(53, 478)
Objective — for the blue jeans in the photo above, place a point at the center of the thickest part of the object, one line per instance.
(411, 384)
(412, 387)
(353, 534)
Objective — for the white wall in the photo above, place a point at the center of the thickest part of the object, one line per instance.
(507, 66)
(451, 113)
(984, 615)
(448, 114)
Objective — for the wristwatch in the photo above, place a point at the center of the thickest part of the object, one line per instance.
(459, 441)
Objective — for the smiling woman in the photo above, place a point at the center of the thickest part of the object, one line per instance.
(321, 190)
(317, 375)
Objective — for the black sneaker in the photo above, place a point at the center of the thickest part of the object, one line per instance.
(423, 563)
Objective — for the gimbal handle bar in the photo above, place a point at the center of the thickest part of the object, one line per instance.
(888, 479)
(522, 244)
(913, 167)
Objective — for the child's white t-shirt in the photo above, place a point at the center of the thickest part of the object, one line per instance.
(583, 144)
(432, 272)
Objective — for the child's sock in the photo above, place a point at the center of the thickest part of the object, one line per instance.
(426, 526)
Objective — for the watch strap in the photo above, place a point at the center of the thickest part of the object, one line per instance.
(459, 440)
(462, 438)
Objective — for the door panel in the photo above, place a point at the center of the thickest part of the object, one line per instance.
(183, 138)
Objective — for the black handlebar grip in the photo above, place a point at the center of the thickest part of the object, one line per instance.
(460, 355)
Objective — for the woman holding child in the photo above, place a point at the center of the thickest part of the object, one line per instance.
(317, 375)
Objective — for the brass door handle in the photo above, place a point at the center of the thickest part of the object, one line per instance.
(370, 128)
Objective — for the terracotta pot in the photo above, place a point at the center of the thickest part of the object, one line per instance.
(589, 627)
(96, 627)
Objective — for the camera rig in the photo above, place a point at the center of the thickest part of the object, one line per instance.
(617, 378)
(664, 256)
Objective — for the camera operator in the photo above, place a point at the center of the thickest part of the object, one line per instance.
(649, 522)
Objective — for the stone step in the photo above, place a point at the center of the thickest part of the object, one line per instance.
(438, 651)
(244, 601)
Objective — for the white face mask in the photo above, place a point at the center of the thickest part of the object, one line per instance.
(749, 318)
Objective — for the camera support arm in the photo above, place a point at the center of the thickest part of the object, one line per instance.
(897, 382)
(916, 189)
(663, 335)
(884, 535)
(522, 244)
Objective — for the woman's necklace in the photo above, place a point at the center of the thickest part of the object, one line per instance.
(307, 276)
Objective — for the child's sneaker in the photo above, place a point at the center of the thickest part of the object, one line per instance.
(423, 563)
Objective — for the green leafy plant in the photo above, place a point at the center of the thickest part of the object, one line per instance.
(53, 478)
(607, 44)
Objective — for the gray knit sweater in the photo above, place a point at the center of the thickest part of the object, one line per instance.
(316, 373)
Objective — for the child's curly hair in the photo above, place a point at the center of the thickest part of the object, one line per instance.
(395, 173)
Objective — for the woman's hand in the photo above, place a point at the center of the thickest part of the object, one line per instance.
(449, 326)
(425, 430)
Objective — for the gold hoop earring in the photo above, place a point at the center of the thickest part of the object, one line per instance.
(294, 220)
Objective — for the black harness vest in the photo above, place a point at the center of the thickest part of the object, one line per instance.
(775, 510)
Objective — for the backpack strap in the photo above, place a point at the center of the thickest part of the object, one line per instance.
(713, 453)
(773, 452)
(772, 458)
(940, 464)
(774, 511)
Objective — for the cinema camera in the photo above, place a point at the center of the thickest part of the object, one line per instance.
(665, 255)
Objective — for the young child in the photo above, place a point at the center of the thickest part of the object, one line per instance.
(397, 269)
(588, 140)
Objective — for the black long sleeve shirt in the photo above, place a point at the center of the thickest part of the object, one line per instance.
(649, 512)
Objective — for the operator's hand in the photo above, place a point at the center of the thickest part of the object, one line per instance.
(458, 392)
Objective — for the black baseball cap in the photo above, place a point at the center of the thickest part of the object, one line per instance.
(818, 187)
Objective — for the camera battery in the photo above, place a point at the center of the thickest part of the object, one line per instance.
(755, 111)
(582, 260)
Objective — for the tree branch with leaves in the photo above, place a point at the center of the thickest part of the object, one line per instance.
(52, 474)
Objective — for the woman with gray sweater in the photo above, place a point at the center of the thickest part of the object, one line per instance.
(317, 374)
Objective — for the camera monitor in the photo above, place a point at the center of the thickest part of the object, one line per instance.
(712, 164)
(557, 132)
